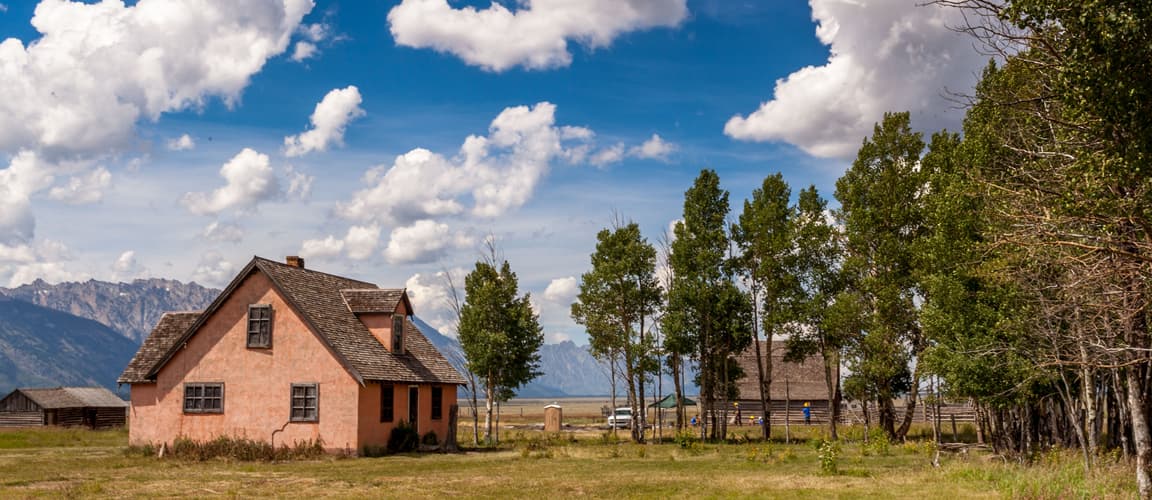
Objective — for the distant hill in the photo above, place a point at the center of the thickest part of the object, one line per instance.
(41, 347)
(129, 308)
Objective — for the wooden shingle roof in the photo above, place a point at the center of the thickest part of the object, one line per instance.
(170, 328)
(74, 397)
(801, 381)
(374, 300)
(318, 299)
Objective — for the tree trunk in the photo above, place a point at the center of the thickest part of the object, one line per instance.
(787, 413)
(910, 410)
(489, 397)
(1088, 382)
(475, 411)
(1141, 437)
(679, 389)
(765, 385)
(832, 382)
(449, 445)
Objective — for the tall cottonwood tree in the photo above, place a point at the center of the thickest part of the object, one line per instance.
(763, 238)
(881, 218)
(693, 322)
(815, 266)
(616, 299)
(499, 334)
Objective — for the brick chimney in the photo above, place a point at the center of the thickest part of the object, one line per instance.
(295, 261)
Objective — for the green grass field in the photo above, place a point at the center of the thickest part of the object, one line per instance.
(75, 463)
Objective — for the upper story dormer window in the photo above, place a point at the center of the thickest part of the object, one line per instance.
(260, 326)
(398, 333)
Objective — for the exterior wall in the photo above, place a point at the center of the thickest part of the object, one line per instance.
(375, 433)
(257, 382)
(21, 419)
(380, 324)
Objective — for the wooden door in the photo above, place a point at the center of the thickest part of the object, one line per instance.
(414, 406)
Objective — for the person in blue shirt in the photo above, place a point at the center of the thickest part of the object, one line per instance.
(807, 413)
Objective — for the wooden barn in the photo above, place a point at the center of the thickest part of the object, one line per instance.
(92, 407)
(793, 384)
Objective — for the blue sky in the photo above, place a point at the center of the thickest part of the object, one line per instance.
(327, 129)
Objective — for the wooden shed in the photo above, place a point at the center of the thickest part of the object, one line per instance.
(92, 407)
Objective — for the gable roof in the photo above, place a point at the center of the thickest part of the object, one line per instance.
(171, 326)
(318, 300)
(73, 397)
(375, 300)
(805, 381)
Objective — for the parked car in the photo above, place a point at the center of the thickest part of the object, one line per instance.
(621, 418)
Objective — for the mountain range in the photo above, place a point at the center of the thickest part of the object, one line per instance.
(129, 308)
(85, 333)
(41, 347)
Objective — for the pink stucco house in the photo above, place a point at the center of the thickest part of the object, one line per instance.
(288, 354)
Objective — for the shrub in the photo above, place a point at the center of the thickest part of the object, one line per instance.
(403, 438)
(430, 439)
(243, 449)
(828, 453)
(686, 439)
(877, 443)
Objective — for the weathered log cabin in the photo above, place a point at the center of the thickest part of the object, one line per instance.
(793, 385)
(91, 407)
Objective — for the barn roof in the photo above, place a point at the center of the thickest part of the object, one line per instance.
(74, 397)
(320, 301)
(801, 381)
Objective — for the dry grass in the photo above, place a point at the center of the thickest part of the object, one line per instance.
(532, 465)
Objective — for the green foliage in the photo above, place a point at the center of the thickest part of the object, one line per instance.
(499, 333)
(882, 220)
(828, 454)
(877, 443)
(616, 299)
(430, 439)
(403, 438)
(686, 439)
(706, 315)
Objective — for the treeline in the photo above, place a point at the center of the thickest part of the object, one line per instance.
(1009, 266)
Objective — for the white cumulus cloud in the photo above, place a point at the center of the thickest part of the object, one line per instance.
(213, 269)
(329, 120)
(655, 148)
(886, 55)
(303, 50)
(250, 180)
(561, 290)
(534, 36)
(223, 232)
(424, 241)
(83, 189)
(497, 173)
(182, 143)
(127, 267)
(430, 296)
(25, 175)
(359, 244)
(98, 68)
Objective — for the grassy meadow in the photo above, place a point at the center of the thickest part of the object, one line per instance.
(585, 461)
